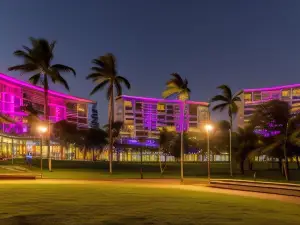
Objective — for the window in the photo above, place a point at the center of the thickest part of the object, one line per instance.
(128, 104)
(170, 118)
(286, 93)
(247, 97)
(82, 120)
(296, 92)
(193, 109)
(265, 95)
(160, 107)
(138, 106)
(257, 96)
(139, 121)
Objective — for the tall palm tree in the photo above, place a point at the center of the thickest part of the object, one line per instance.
(178, 87)
(105, 73)
(227, 100)
(37, 61)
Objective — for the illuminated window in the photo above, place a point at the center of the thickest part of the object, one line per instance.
(160, 107)
(247, 97)
(128, 103)
(296, 92)
(286, 93)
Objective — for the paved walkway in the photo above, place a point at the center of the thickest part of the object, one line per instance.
(166, 183)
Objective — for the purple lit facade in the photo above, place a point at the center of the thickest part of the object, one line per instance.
(253, 97)
(15, 93)
(144, 117)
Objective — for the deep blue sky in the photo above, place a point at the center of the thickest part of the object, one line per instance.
(245, 44)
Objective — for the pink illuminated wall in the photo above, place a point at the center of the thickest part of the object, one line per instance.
(15, 93)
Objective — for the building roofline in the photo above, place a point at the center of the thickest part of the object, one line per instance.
(54, 93)
(161, 100)
(275, 88)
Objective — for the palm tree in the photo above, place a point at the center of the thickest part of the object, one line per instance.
(105, 73)
(117, 127)
(165, 140)
(246, 142)
(227, 100)
(279, 130)
(32, 117)
(37, 62)
(178, 87)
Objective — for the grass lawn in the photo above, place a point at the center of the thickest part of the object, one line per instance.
(99, 170)
(115, 203)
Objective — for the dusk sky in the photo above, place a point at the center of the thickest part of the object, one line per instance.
(244, 44)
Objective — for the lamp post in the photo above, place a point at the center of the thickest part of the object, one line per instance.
(42, 130)
(208, 128)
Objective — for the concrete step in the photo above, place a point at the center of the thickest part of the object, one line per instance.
(263, 187)
(17, 177)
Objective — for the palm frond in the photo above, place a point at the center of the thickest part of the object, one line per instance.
(226, 91)
(63, 68)
(168, 92)
(57, 78)
(237, 94)
(220, 107)
(118, 88)
(29, 67)
(124, 81)
(99, 87)
(218, 98)
(52, 45)
(177, 77)
(234, 108)
(35, 79)
(96, 76)
(236, 99)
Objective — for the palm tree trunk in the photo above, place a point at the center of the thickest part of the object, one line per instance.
(230, 142)
(111, 118)
(286, 163)
(297, 160)
(242, 166)
(46, 113)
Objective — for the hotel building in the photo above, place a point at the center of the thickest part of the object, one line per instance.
(143, 118)
(15, 93)
(252, 97)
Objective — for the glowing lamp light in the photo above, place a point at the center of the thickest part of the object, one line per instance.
(42, 129)
(208, 127)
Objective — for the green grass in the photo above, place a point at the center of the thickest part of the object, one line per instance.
(99, 170)
(35, 204)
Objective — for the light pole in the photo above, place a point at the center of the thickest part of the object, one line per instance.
(208, 128)
(42, 130)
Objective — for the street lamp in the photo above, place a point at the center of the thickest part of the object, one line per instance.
(208, 128)
(42, 130)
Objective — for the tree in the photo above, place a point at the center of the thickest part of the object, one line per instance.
(37, 61)
(276, 125)
(176, 149)
(227, 100)
(105, 73)
(94, 139)
(95, 121)
(178, 87)
(245, 142)
(116, 130)
(165, 144)
(32, 117)
(67, 133)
